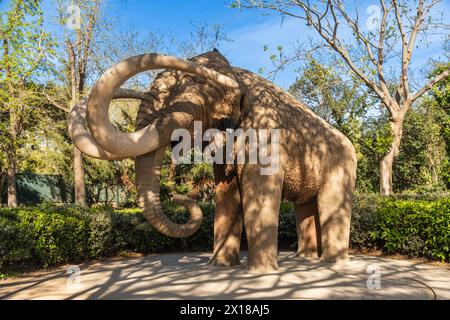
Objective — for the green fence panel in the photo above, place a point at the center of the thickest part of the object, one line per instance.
(39, 188)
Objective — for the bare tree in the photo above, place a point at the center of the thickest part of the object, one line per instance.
(79, 20)
(393, 36)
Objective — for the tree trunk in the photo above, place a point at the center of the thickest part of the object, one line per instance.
(1, 186)
(78, 170)
(2, 181)
(11, 151)
(386, 187)
(11, 178)
(12, 159)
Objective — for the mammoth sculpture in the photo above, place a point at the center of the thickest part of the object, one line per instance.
(317, 163)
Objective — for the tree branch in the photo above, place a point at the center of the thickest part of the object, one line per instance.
(402, 89)
(408, 44)
(55, 103)
(345, 55)
(430, 84)
(37, 61)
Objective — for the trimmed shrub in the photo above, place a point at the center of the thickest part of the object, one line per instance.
(44, 235)
(417, 225)
(364, 222)
(415, 228)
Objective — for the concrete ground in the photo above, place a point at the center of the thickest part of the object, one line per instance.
(188, 276)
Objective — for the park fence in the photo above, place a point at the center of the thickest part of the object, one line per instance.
(44, 188)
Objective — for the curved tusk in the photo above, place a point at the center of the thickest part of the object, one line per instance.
(147, 139)
(81, 137)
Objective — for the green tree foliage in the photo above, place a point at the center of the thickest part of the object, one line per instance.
(25, 48)
(422, 156)
(375, 140)
(339, 101)
(441, 97)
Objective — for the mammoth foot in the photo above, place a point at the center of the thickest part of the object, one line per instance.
(221, 261)
(334, 258)
(262, 268)
(307, 254)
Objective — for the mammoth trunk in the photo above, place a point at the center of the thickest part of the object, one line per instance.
(148, 172)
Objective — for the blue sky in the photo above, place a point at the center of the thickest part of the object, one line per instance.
(250, 30)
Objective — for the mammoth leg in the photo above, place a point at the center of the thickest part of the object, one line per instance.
(335, 207)
(308, 229)
(261, 201)
(228, 220)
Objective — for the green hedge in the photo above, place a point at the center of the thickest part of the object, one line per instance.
(45, 235)
(417, 228)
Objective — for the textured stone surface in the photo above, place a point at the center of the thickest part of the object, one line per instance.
(188, 276)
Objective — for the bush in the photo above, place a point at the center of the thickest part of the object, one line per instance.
(364, 222)
(15, 242)
(415, 228)
(42, 234)
(287, 230)
(45, 235)
(415, 224)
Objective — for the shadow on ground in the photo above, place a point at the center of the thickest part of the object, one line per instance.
(188, 276)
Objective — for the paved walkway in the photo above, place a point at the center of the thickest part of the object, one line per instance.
(188, 276)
